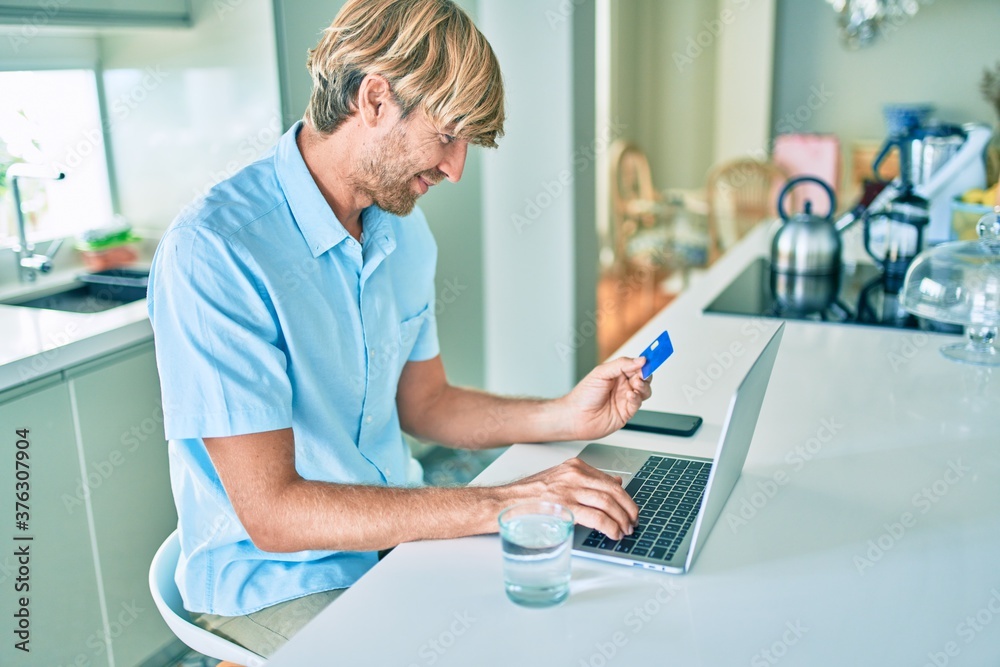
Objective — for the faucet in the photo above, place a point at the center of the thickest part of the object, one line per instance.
(28, 262)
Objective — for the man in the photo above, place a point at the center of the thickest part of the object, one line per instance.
(294, 321)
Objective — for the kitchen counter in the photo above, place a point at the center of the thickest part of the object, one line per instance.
(35, 342)
(864, 529)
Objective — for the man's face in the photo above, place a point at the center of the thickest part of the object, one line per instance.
(410, 158)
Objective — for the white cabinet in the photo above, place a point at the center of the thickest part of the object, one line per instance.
(96, 12)
(100, 505)
(64, 610)
(125, 460)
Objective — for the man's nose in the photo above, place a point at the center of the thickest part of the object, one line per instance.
(453, 163)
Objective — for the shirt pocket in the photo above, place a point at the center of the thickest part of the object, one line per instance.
(409, 329)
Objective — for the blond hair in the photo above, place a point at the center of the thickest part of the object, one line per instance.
(430, 52)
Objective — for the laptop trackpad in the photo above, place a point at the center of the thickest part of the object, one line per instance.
(614, 460)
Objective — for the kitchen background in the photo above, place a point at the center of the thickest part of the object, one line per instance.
(188, 91)
(184, 106)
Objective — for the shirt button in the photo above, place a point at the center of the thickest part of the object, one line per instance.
(368, 419)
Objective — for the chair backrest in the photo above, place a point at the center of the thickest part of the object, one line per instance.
(740, 194)
(168, 601)
(631, 176)
(635, 203)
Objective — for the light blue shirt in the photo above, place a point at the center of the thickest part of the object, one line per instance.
(267, 314)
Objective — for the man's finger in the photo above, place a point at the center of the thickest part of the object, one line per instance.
(592, 478)
(604, 502)
(617, 367)
(625, 500)
(598, 520)
(646, 391)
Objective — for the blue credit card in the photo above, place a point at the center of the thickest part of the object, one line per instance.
(656, 354)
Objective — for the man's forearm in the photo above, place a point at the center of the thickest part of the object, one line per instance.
(310, 515)
(599, 404)
(282, 512)
(473, 419)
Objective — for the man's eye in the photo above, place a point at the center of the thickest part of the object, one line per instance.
(447, 138)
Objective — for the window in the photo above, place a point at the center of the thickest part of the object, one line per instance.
(52, 118)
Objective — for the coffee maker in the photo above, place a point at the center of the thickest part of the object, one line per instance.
(947, 172)
(937, 162)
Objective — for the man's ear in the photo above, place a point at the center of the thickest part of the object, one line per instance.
(375, 100)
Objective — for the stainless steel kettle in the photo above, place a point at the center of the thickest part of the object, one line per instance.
(806, 244)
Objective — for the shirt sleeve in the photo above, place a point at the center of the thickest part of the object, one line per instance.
(219, 350)
(426, 345)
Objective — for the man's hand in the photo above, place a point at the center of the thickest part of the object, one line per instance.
(597, 500)
(605, 399)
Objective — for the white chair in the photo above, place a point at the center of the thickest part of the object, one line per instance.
(168, 602)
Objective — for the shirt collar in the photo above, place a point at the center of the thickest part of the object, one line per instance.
(313, 215)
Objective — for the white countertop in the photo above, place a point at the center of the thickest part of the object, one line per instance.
(863, 531)
(35, 342)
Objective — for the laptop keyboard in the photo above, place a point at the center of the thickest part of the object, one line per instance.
(668, 492)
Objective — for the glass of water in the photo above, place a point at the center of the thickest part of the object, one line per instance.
(537, 538)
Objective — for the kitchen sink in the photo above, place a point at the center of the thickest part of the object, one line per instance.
(91, 292)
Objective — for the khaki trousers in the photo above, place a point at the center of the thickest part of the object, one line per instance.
(265, 631)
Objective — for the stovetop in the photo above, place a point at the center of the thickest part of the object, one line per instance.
(861, 294)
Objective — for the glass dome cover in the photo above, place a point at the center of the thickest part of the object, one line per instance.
(959, 283)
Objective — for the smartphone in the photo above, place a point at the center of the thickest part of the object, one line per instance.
(664, 423)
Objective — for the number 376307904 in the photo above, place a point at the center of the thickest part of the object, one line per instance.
(22, 476)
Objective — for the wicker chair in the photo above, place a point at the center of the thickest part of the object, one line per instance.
(741, 193)
(640, 217)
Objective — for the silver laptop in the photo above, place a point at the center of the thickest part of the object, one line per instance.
(679, 497)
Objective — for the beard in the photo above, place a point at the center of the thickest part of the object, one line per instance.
(386, 173)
